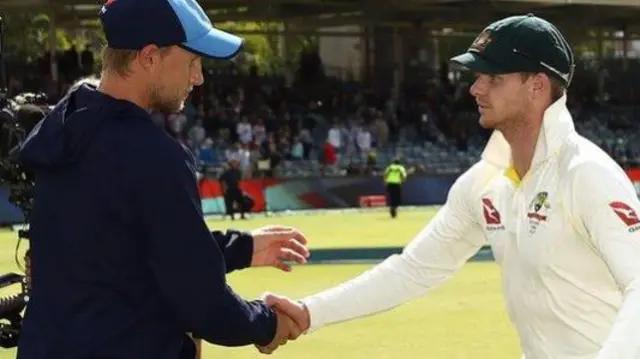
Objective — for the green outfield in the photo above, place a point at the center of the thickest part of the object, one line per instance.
(345, 230)
(463, 319)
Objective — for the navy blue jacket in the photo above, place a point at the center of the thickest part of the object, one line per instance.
(123, 263)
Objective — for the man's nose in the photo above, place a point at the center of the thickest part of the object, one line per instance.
(474, 90)
(197, 78)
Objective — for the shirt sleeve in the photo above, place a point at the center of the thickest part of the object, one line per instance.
(434, 255)
(607, 205)
(237, 248)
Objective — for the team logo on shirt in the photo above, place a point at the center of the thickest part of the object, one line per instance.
(626, 214)
(491, 215)
(538, 207)
(538, 211)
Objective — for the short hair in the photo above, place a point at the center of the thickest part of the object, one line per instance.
(558, 89)
(118, 60)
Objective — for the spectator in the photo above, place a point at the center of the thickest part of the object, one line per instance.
(350, 135)
(307, 142)
(244, 130)
(205, 152)
(334, 136)
(381, 130)
(259, 131)
(246, 166)
(297, 149)
(200, 111)
(274, 158)
(363, 140)
(234, 153)
(197, 134)
(329, 156)
(254, 155)
(177, 122)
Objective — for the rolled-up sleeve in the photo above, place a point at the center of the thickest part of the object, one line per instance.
(607, 205)
(434, 255)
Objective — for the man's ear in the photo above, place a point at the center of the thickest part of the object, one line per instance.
(149, 57)
(539, 82)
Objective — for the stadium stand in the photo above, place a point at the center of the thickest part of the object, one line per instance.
(322, 125)
(436, 133)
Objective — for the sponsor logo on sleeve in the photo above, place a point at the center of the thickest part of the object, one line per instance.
(491, 215)
(627, 215)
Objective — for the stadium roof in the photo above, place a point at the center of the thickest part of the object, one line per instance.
(428, 13)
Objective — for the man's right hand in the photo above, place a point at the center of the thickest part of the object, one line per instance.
(286, 330)
(297, 311)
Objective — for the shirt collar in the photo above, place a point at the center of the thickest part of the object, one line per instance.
(557, 124)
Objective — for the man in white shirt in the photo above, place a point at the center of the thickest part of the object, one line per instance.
(244, 131)
(560, 215)
(334, 137)
(363, 138)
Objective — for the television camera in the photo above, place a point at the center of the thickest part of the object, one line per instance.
(18, 116)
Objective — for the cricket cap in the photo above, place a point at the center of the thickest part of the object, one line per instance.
(524, 43)
(134, 24)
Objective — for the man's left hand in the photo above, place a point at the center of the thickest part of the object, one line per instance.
(277, 246)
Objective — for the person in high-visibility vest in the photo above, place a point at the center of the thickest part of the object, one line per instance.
(394, 176)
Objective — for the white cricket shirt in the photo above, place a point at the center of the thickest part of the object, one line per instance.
(567, 239)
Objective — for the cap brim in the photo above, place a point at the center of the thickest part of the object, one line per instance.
(216, 44)
(477, 63)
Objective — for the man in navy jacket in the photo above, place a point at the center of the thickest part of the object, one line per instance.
(123, 263)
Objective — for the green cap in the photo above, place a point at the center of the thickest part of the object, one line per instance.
(523, 43)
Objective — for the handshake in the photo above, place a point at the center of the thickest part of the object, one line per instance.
(293, 320)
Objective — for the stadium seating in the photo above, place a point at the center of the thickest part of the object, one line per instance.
(614, 130)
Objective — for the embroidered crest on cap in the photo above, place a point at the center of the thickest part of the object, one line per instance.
(481, 42)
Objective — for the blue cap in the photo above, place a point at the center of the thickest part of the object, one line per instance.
(134, 24)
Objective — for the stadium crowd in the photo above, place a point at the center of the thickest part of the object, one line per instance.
(350, 129)
(314, 124)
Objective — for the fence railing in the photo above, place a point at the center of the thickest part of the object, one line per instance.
(290, 194)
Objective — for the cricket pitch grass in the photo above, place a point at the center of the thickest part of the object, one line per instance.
(465, 318)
